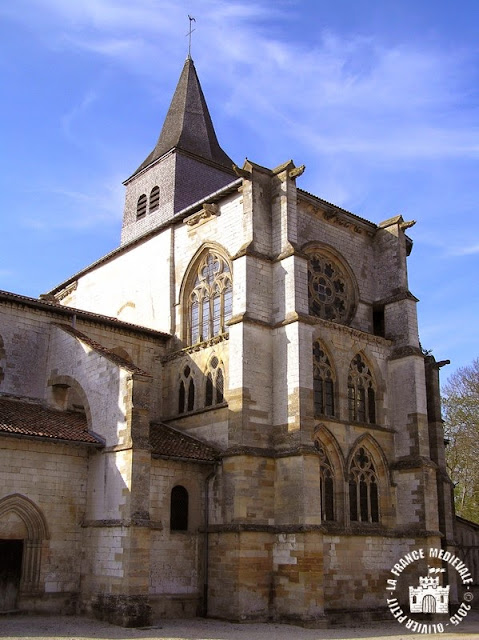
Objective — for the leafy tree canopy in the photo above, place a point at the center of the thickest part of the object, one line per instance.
(461, 416)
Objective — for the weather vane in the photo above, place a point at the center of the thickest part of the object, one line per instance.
(191, 19)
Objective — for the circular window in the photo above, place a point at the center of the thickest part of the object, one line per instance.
(330, 290)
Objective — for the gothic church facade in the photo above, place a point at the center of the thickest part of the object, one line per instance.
(230, 414)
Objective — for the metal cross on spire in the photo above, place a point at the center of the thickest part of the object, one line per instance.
(191, 19)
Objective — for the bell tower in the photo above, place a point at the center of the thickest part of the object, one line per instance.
(186, 164)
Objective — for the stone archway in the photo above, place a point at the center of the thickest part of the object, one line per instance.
(30, 529)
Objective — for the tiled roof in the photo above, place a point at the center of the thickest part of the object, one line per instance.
(63, 310)
(188, 124)
(336, 207)
(28, 419)
(172, 443)
(96, 346)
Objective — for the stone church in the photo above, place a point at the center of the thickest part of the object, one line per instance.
(228, 415)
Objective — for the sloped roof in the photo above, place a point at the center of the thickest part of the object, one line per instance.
(188, 125)
(63, 310)
(99, 348)
(23, 418)
(171, 443)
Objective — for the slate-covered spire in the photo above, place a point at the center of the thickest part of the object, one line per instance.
(188, 124)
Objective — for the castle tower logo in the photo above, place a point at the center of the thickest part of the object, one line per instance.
(428, 595)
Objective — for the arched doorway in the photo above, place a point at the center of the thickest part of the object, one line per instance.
(429, 604)
(22, 531)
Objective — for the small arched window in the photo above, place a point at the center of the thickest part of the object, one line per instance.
(323, 382)
(363, 488)
(154, 198)
(361, 392)
(326, 483)
(210, 298)
(186, 392)
(179, 509)
(141, 207)
(215, 383)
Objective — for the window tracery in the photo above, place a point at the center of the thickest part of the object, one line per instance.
(363, 488)
(210, 300)
(330, 291)
(361, 392)
(326, 483)
(186, 392)
(214, 391)
(323, 382)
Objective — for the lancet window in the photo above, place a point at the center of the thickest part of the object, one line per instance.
(361, 392)
(323, 382)
(215, 383)
(186, 392)
(210, 299)
(326, 483)
(330, 291)
(363, 488)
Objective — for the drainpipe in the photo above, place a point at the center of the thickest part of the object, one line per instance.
(206, 541)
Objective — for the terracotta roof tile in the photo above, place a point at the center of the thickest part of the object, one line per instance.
(169, 442)
(96, 346)
(63, 310)
(29, 419)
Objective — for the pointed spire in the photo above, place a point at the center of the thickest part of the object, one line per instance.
(188, 124)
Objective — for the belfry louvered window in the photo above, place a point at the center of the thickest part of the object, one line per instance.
(141, 207)
(210, 300)
(363, 488)
(154, 198)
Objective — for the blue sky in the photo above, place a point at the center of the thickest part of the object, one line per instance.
(379, 99)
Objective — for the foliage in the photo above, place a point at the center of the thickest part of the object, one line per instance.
(461, 415)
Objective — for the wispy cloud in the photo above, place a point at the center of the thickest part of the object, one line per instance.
(465, 250)
(71, 209)
(69, 119)
(344, 95)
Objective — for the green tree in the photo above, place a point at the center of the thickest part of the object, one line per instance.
(461, 425)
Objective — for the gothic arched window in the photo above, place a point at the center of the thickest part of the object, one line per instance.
(330, 291)
(215, 383)
(141, 207)
(363, 488)
(326, 483)
(154, 198)
(361, 392)
(210, 298)
(323, 382)
(186, 392)
(179, 509)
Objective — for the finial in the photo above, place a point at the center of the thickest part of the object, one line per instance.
(191, 19)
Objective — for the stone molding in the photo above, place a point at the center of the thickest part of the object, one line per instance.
(195, 347)
(205, 214)
(124, 522)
